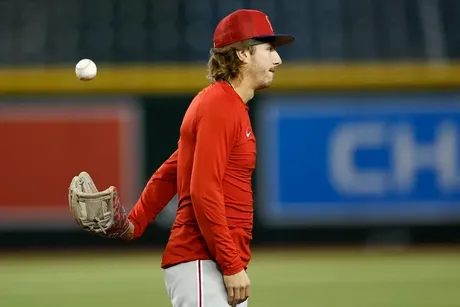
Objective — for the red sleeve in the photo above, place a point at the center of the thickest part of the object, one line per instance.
(215, 135)
(158, 192)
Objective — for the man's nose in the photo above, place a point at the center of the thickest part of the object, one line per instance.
(276, 58)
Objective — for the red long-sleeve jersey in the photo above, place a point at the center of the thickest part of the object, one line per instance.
(158, 192)
(215, 161)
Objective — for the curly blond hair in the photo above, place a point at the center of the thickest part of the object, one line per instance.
(224, 64)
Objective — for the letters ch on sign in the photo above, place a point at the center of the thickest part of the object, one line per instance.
(407, 157)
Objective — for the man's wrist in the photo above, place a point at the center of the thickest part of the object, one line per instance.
(129, 234)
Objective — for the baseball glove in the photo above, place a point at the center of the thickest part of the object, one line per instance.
(97, 212)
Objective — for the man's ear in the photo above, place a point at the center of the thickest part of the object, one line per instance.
(243, 55)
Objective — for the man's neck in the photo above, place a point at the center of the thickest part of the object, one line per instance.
(245, 91)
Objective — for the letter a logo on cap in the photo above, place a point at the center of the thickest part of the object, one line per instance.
(269, 23)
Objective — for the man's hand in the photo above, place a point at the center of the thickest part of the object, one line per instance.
(99, 212)
(238, 287)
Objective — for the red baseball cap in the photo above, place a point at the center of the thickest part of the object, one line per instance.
(247, 24)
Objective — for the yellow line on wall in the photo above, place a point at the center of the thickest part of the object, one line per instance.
(190, 78)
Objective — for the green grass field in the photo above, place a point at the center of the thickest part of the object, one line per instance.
(290, 278)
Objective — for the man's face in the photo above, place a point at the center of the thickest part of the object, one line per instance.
(262, 64)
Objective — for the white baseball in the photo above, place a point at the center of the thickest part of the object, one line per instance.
(86, 70)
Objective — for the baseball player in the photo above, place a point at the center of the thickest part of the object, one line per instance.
(206, 258)
(207, 254)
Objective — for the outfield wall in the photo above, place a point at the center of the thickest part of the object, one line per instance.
(347, 154)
